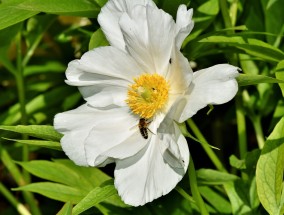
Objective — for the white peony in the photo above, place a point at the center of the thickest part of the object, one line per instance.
(135, 91)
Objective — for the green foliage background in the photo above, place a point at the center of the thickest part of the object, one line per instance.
(245, 176)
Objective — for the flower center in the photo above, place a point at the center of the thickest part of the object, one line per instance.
(147, 95)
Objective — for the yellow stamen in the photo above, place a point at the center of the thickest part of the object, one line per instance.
(147, 95)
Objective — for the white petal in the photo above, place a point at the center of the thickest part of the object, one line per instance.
(135, 33)
(104, 95)
(174, 145)
(117, 136)
(103, 63)
(103, 76)
(214, 85)
(184, 24)
(161, 37)
(180, 74)
(75, 125)
(149, 36)
(110, 15)
(147, 175)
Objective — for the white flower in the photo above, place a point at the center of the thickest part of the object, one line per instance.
(135, 91)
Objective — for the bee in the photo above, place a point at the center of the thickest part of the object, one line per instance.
(143, 127)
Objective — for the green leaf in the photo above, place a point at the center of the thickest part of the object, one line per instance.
(269, 172)
(40, 131)
(98, 39)
(280, 74)
(7, 36)
(57, 173)
(94, 197)
(66, 209)
(245, 80)
(216, 200)
(237, 163)
(64, 7)
(55, 191)
(274, 16)
(250, 46)
(210, 176)
(236, 193)
(93, 175)
(45, 101)
(47, 67)
(203, 16)
(10, 14)
(40, 143)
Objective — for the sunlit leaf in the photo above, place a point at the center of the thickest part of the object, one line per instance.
(55, 191)
(98, 39)
(63, 7)
(273, 12)
(94, 197)
(40, 131)
(250, 46)
(280, 74)
(66, 209)
(10, 14)
(236, 192)
(245, 80)
(269, 172)
(216, 200)
(93, 175)
(237, 163)
(210, 176)
(40, 143)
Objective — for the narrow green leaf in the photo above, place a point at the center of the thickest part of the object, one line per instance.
(204, 15)
(94, 197)
(237, 163)
(40, 143)
(66, 209)
(93, 175)
(210, 176)
(280, 74)
(245, 80)
(216, 200)
(55, 191)
(250, 46)
(40, 131)
(47, 67)
(239, 205)
(42, 102)
(64, 7)
(98, 39)
(7, 36)
(57, 173)
(274, 16)
(253, 197)
(10, 14)
(269, 171)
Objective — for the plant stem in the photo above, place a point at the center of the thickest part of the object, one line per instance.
(234, 12)
(256, 121)
(18, 177)
(205, 145)
(8, 195)
(185, 194)
(241, 126)
(194, 189)
(20, 82)
(225, 13)
(22, 101)
(25, 177)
